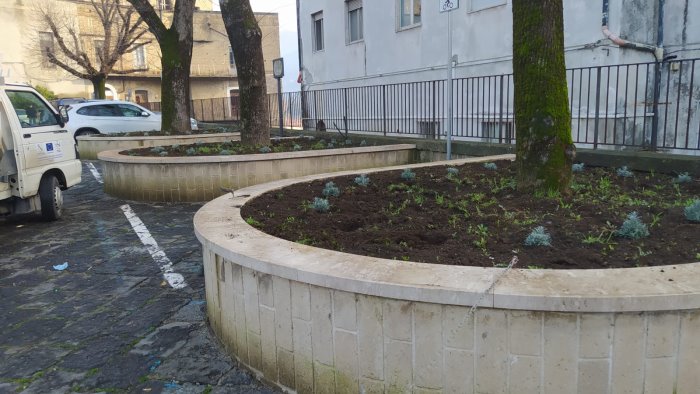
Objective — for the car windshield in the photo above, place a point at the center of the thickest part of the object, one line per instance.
(31, 110)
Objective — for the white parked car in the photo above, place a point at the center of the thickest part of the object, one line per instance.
(111, 116)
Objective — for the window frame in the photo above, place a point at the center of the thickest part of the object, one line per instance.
(137, 65)
(317, 17)
(399, 13)
(352, 6)
(45, 62)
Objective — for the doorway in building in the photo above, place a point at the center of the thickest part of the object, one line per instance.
(235, 104)
(141, 98)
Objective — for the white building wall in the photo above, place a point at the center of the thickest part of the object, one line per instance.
(482, 39)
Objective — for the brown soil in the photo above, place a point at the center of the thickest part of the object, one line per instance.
(236, 148)
(477, 218)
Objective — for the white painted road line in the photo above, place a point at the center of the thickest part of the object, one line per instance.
(175, 280)
(95, 173)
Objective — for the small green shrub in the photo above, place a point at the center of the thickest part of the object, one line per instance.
(683, 178)
(692, 211)
(538, 237)
(321, 205)
(190, 151)
(330, 145)
(163, 153)
(348, 141)
(624, 172)
(296, 147)
(331, 190)
(633, 228)
(452, 171)
(490, 166)
(176, 146)
(333, 141)
(577, 167)
(363, 143)
(225, 152)
(157, 149)
(265, 149)
(362, 180)
(408, 175)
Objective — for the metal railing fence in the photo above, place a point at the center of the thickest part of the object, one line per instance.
(642, 105)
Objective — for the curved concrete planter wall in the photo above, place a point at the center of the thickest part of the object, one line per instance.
(90, 147)
(201, 178)
(314, 320)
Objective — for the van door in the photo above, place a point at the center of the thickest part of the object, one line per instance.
(44, 142)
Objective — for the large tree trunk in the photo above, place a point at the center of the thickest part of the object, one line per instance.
(98, 86)
(175, 86)
(246, 40)
(176, 57)
(544, 147)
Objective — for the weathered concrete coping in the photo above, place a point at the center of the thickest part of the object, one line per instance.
(114, 156)
(90, 146)
(221, 229)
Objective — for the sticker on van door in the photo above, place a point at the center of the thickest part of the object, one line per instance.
(45, 152)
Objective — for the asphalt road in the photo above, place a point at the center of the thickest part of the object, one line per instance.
(126, 315)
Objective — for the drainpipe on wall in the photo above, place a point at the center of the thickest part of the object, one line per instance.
(657, 76)
(657, 51)
(304, 104)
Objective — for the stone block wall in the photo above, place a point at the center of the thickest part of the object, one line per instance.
(202, 178)
(316, 340)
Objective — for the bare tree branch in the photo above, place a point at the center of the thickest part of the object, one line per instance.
(150, 17)
(117, 31)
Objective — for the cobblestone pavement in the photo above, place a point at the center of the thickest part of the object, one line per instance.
(109, 322)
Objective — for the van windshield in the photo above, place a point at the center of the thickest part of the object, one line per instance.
(31, 110)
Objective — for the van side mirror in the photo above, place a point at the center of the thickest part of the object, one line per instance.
(59, 119)
(63, 113)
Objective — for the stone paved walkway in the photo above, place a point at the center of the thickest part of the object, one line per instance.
(109, 322)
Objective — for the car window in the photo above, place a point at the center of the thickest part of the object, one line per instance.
(100, 110)
(31, 110)
(130, 110)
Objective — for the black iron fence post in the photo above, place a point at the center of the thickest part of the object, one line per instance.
(384, 109)
(500, 112)
(655, 106)
(597, 108)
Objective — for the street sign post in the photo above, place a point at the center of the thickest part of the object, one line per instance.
(448, 6)
(278, 73)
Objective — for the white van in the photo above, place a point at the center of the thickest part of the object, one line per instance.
(38, 158)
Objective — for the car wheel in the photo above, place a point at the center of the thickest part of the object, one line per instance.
(51, 198)
(89, 132)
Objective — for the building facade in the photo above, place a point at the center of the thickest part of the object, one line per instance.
(213, 70)
(394, 41)
(380, 66)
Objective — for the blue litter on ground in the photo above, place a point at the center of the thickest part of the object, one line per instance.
(61, 267)
(197, 302)
(171, 385)
(154, 365)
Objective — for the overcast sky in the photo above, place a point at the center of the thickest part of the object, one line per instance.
(288, 37)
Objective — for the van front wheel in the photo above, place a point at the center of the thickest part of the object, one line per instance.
(51, 198)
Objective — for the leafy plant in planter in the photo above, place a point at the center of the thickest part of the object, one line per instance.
(296, 147)
(490, 166)
(452, 172)
(577, 167)
(408, 175)
(692, 211)
(362, 180)
(265, 149)
(538, 237)
(633, 228)
(683, 178)
(624, 172)
(320, 205)
(190, 151)
(331, 190)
